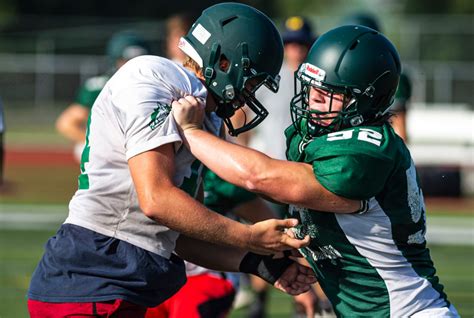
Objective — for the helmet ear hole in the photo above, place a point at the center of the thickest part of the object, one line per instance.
(224, 63)
(353, 46)
(228, 20)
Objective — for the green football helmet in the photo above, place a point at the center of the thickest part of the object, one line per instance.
(126, 45)
(250, 42)
(364, 19)
(356, 61)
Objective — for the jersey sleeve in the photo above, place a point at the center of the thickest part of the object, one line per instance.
(354, 164)
(147, 120)
(356, 177)
(142, 91)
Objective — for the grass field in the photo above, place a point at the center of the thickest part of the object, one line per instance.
(47, 183)
(21, 250)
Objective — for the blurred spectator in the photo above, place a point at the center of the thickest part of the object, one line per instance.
(72, 122)
(176, 26)
(268, 136)
(403, 94)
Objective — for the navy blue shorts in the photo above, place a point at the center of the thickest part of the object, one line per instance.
(80, 265)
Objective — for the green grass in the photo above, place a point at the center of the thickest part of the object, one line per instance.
(19, 253)
(20, 250)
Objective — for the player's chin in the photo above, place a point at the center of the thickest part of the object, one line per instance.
(325, 122)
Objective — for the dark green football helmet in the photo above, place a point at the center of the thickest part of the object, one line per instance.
(364, 19)
(126, 45)
(250, 42)
(356, 61)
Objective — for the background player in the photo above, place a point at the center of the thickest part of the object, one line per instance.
(72, 122)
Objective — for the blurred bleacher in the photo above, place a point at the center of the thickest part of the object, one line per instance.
(441, 141)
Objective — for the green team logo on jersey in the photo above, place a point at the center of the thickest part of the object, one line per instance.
(159, 115)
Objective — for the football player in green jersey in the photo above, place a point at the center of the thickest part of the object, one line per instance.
(371, 259)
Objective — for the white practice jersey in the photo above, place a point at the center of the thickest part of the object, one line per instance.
(131, 116)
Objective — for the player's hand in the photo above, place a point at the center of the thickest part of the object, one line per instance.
(270, 237)
(306, 303)
(296, 279)
(188, 112)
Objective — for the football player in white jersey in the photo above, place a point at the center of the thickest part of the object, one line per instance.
(371, 262)
(115, 253)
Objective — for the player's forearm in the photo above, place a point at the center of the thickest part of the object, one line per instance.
(180, 212)
(72, 123)
(236, 164)
(216, 257)
(284, 181)
(72, 131)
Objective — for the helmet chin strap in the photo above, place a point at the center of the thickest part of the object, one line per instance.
(209, 71)
(257, 108)
(356, 120)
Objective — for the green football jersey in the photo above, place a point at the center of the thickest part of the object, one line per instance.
(221, 196)
(375, 263)
(90, 90)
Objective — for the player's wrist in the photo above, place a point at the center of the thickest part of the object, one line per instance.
(364, 207)
(264, 266)
(187, 128)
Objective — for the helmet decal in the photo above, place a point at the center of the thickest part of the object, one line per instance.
(201, 34)
(313, 72)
